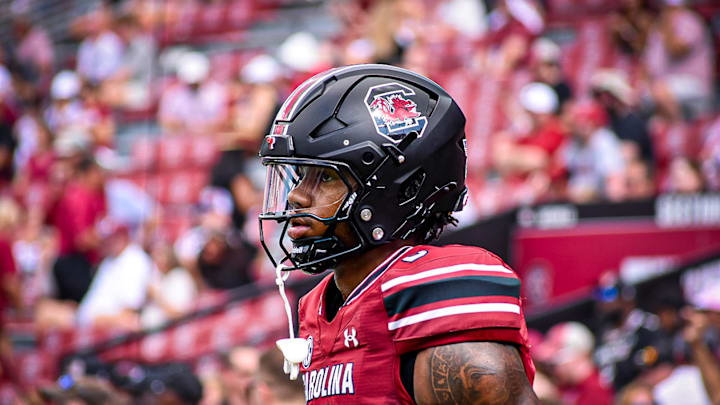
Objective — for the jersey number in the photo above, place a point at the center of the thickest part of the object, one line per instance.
(416, 256)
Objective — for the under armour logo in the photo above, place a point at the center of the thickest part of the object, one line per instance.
(271, 141)
(350, 337)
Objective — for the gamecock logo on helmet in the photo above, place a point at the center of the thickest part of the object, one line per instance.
(394, 113)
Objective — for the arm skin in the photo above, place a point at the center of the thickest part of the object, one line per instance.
(477, 373)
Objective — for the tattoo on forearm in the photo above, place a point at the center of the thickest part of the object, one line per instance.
(477, 373)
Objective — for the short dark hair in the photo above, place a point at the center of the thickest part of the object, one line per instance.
(271, 366)
(179, 379)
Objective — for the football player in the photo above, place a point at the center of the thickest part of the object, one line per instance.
(365, 165)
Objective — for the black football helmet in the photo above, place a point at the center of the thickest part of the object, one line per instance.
(393, 143)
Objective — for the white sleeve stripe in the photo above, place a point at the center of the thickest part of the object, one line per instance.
(444, 270)
(454, 310)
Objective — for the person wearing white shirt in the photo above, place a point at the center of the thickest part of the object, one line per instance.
(119, 288)
(171, 291)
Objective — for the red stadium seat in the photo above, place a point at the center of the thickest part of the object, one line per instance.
(203, 151)
(173, 151)
(179, 187)
(143, 153)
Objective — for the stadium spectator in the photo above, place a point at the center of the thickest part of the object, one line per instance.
(6, 80)
(610, 88)
(119, 288)
(7, 147)
(85, 390)
(242, 364)
(545, 388)
(630, 26)
(379, 29)
(34, 249)
(592, 157)
(639, 180)
(567, 351)
(667, 304)
(32, 135)
(10, 292)
(100, 54)
(637, 394)
(679, 62)
(252, 115)
(225, 261)
(546, 64)
(213, 216)
(710, 155)
(684, 177)
(171, 290)
(624, 332)
(704, 316)
(76, 216)
(131, 86)
(172, 384)
(270, 384)
(196, 104)
(512, 25)
(10, 284)
(526, 153)
(97, 116)
(66, 110)
(33, 49)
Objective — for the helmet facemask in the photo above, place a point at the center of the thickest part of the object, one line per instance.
(307, 204)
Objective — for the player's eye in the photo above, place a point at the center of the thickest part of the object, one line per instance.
(327, 176)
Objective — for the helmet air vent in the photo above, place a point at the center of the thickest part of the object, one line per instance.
(411, 187)
(330, 125)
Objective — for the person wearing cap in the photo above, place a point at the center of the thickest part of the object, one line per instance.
(119, 287)
(567, 352)
(546, 64)
(66, 110)
(592, 156)
(628, 337)
(529, 149)
(610, 89)
(703, 316)
(196, 103)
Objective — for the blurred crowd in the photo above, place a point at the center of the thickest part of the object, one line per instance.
(250, 377)
(667, 353)
(102, 225)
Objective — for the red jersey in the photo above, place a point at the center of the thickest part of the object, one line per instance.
(419, 297)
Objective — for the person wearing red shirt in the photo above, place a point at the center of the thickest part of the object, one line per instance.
(9, 282)
(567, 352)
(75, 216)
(526, 156)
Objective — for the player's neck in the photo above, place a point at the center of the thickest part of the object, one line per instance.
(353, 271)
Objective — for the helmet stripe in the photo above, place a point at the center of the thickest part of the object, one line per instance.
(297, 96)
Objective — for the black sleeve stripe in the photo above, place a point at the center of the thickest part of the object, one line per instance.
(451, 288)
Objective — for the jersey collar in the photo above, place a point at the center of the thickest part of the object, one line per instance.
(375, 274)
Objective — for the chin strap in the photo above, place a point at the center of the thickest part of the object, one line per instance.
(293, 349)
